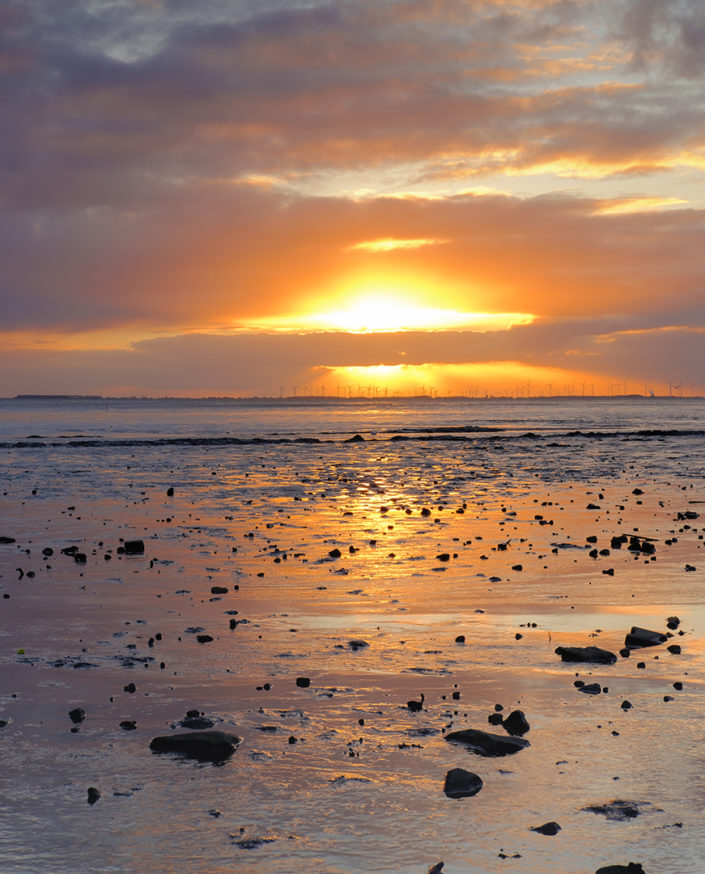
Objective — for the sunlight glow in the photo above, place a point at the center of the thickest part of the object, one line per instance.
(384, 313)
(389, 245)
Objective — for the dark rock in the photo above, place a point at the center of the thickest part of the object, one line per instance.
(590, 688)
(303, 682)
(548, 828)
(617, 810)
(495, 719)
(673, 622)
(674, 649)
(77, 715)
(630, 868)
(461, 784)
(516, 723)
(134, 547)
(436, 869)
(205, 746)
(219, 590)
(460, 638)
(47, 552)
(586, 654)
(196, 720)
(357, 644)
(128, 725)
(335, 553)
(80, 557)
(642, 637)
(443, 556)
(626, 705)
(170, 492)
(4, 539)
(489, 745)
(204, 638)
(93, 795)
(131, 688)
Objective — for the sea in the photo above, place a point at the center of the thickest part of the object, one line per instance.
(307, 567)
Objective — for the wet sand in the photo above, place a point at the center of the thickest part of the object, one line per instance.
(317, 548)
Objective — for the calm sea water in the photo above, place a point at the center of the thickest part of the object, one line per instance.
(121, 418)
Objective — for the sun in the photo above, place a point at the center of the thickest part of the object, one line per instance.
(385, 312)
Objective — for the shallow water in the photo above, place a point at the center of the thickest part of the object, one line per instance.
(345, 796)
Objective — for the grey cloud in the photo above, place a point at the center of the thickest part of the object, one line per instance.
(670, 33)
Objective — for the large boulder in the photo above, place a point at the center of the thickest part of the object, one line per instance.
(206, 746)
(485, 744)
(641, 637)
(586, 654)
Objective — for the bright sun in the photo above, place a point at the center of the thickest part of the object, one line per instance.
(383, 312)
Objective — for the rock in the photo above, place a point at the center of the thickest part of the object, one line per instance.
(131, 688)
(590, 688)
(219, 590)
(461, 784)
(642, 637)
(617, 810)
(495, 719)
(485, 744)
(5, 539)
(196, 720)
(170, 492)
(77, 715)
(204, 638)
(357, 644)
(674, 649)
(516, 723)
(548, 828)
(93, 795)
(335, 553)
(460, 638)
(630, 868)
(133, 547)
(443, 556)
(436, 869)
(128, 725)
(205, 746)
(673, 622)
(303, 682)
(586, 654)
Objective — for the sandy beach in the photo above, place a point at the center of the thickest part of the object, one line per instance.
(298, 599)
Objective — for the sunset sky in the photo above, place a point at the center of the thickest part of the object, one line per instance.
(239, 197)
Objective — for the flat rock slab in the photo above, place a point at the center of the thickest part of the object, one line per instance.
(461, 784)
(620, 810)
(206, 746)
(489, 745)
(591, 654)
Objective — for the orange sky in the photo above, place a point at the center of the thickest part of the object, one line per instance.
(500, 197)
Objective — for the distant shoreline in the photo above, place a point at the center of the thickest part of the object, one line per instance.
(302, 399)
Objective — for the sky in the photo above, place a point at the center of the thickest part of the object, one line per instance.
(272, 197)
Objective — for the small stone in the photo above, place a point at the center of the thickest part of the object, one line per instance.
(303, 682)
(93, 795)
(134, 547)
(548, 828)
(516, 723)
(461, 784)
(77, 715)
